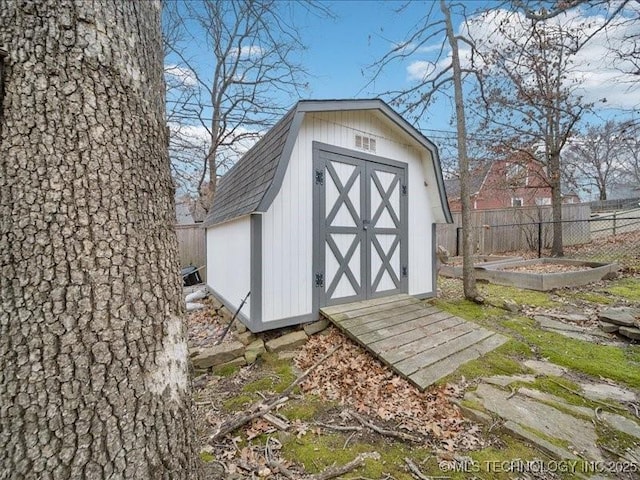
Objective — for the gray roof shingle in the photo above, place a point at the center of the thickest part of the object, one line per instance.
(242, 188)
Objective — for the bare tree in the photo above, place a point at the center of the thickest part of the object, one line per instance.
(531, 94)
(236, 92)
(596, 157)
(630, 156)
(93, 357)
(437, 79)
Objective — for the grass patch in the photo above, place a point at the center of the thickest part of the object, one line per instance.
(207, 457)
(226, 370)
(277, 381)
(591, 297)
(627, 288)
(616, 363)
(307, 409)
(469, 310)
(238, 402)
(518, 295)
(319, 452)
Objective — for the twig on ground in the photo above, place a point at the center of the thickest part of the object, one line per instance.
(414, 470)
(334, 472)
(346, 442)
(339, 428)
(383, 431)
(258, 410)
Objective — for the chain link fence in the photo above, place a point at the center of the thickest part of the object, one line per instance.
(611, 237)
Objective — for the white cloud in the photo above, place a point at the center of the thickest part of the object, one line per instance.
(184, 75)
(248, 51)
(597, 70)
(419, 70)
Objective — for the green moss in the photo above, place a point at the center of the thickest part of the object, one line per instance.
(469, 310)
(627, 288)
(226, 370)
(277, 381)
(597, 360)
(501, 361)
(239, 402)
(264, 384)
(592, 297)
(518, 295)
(306, 409)
(207, 457)
(286, 376)
(614, 439)
(318, 452)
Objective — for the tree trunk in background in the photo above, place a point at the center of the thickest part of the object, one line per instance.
(557, 246)
(93, 357)
(468, 273)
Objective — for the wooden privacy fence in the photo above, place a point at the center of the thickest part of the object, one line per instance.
(191, 245)
(510, 229)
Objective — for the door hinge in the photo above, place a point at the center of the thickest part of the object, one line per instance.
(404, 189)
(319, 280)
(319, 177)
(405, 271)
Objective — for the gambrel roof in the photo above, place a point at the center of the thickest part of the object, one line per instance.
(253, 182)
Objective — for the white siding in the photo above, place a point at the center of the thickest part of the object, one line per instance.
(229, 261)
(287, 225)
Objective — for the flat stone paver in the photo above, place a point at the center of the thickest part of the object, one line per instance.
(603, 391)
(419, 342)
(545, 368)
(537, 416)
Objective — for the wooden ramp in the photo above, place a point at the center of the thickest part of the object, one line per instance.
(420, 342)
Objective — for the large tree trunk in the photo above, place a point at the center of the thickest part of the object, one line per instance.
(93, 358)
(468, 273)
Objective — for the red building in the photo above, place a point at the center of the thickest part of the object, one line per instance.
(503, 184)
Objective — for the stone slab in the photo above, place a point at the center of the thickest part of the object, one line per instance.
(622, 424)
(290, 341)
(569, 317)
(245, 337)
(622, 316)
(236, 362)
(506, 380)
(552, 399)
(608, 327)
(545, 368)
(217, 355)
(546, 322)
(604, 391)
(315, 327)
(543, 418)
(254, 350)
(549, 448)
(630, 332)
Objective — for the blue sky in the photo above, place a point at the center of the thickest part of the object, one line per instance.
(340, 49)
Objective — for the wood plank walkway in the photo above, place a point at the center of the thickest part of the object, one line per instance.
(420, 342)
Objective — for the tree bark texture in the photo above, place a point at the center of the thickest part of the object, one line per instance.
(93, 357)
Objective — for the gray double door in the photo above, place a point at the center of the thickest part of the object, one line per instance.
(360, 210)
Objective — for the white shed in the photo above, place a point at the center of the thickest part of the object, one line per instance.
(336, 203)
